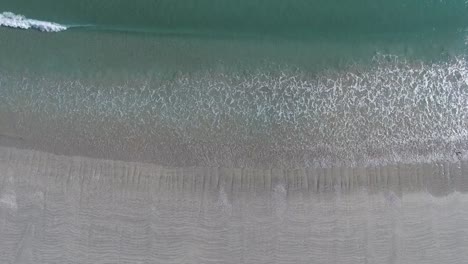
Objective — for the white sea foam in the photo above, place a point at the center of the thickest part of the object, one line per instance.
(8, 19)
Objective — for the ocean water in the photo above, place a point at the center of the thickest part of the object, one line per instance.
(233, 132)
(252, 16)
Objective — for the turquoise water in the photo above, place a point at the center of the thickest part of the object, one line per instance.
(292, 83)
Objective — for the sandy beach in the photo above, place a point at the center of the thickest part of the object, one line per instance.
(82, 210)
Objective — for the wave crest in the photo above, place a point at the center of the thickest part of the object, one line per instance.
(9, 19)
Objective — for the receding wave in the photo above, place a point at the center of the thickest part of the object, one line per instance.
(9, 19)
(391, 111)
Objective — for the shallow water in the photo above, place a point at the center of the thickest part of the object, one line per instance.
(199, 101)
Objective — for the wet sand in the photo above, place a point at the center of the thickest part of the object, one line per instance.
(58, 209)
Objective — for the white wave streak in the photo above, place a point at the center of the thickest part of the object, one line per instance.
(8, 19)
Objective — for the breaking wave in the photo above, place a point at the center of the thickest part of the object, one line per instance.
(9, 19)
(298, 17)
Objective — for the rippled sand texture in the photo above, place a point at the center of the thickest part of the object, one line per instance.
(57, 209)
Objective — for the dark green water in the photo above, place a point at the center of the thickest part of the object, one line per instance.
(258, 16)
